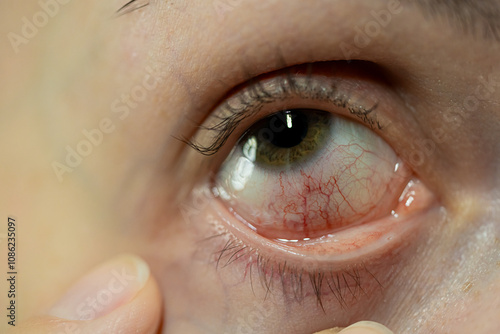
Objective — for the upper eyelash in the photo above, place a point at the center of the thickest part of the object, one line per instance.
(228, 124)
(260, 96)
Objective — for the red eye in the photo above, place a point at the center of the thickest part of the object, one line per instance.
(301, 174)
(312, 180)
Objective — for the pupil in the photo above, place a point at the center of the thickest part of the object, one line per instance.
(288, 128)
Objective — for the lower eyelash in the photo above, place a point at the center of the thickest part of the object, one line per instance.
(296, 283)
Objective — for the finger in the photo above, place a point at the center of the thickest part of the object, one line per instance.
(119, 296)
(334, 330)
(362, 327)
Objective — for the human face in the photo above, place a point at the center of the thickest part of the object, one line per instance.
(98, 162)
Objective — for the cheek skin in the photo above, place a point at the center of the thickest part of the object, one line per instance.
(57, 90)
(451, 283)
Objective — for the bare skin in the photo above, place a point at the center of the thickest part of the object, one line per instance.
(147, 78)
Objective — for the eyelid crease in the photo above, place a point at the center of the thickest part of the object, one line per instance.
(249, 101)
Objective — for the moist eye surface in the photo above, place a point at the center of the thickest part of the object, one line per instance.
(302, 173)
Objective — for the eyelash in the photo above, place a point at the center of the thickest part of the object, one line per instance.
(342, 284)
(259, 96)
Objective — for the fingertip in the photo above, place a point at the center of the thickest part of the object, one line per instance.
(366, 327)
(142, 314)
(362, 327)
(119, 296)
(103, 289)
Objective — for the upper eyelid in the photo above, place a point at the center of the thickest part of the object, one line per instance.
(255, 95)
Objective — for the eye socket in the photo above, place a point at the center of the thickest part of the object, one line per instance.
(301, 174)
(327, 189)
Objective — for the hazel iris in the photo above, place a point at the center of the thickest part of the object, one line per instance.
(286, 137)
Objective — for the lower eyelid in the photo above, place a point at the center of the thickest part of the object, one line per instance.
(294, 273)
(353, 245)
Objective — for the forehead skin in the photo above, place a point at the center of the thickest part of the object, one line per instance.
(67, 76)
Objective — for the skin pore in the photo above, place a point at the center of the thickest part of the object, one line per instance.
(149, 78)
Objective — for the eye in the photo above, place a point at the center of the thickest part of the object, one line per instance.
(307, 181)
(300, 174)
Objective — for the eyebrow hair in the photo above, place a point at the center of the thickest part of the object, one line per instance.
(478, 18)
(473, 17)
(131, 6)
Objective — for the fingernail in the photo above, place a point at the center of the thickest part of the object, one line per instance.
(104, 289)
(366, 327)
(362, 327)
(335, 330)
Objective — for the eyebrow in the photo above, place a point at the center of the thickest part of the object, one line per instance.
(479, 18)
